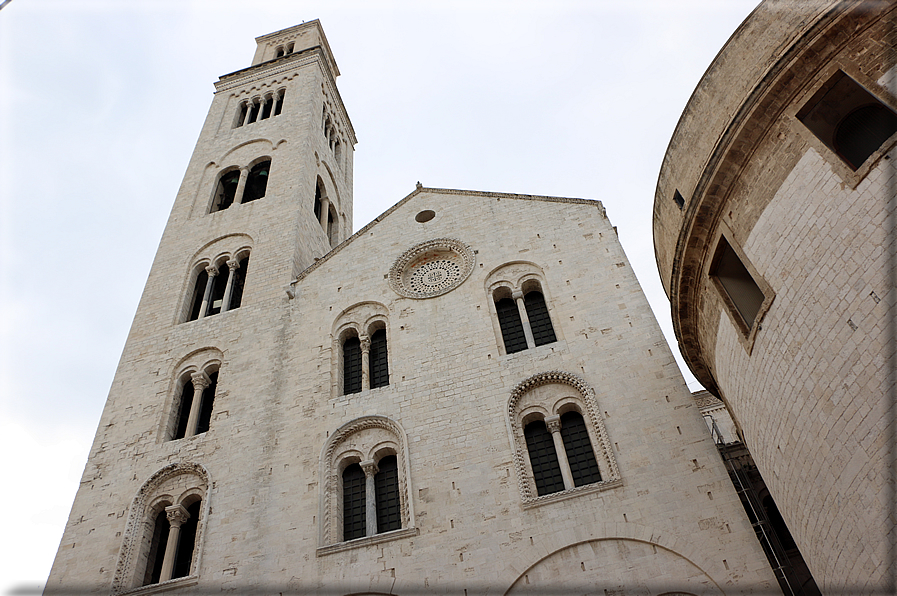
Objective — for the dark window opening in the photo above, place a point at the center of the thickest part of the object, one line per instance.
(544, 459)
(289, 48)
(511, 325)
(737, 282)
(253, 113)
(386, 491)
(186, 543)
(184, 405)
(156, 554)
(206, 404)
(379, 360)
(257, 182)
(219, 285)
(267, 108)
(226, 191)
(848, 119)
(680, 202)
(354, 522)
(863, 131)
(580, 455)
(236, 296)
(539, 320)
(351, 365)
(199, 290)
(318, 195)
(330, 228)
(241, 114)
(279, 52)
(278, 105)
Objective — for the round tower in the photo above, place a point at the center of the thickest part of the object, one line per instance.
(773, 233)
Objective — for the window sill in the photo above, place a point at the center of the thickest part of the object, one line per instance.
(572, 492)
(172, 584)
(367, 541)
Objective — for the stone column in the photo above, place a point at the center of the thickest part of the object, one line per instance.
(517, 295)
(241, 186)
(365, 362)
(370, 496)
(200, 382)
(212, 270)
(177, 515)
(248, 112)
(233, 265)
(325, 212)
(554, 426)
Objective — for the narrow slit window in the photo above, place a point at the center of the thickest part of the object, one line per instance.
(386, 488)
(543, 457)
(378, 359)
(737, 282)
(539, 320)
(184, 404)
(267, 108)
(186, 543)
(511, 326)
(677, 197)
(351, 365)
(278, 105)
(354, 518)
(257, 182)
(241, 114)
(253, 112)
(156, 555)
(580, 456)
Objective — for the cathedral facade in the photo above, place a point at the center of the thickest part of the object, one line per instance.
(468, 395)
(774, 236)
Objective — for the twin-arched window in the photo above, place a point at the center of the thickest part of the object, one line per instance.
(521, 311)
(361, 349)
(219, 285)
(241, 185)
(325, 213)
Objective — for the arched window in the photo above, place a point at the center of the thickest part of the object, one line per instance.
(351, 365)
(559, 438)
(543, 458)
(219, 288)
(539, 321)
(278, 104)
(278, 53)
(197, 399)
(226, 191)
(164, 529)
(354, 520)
(379, 361)
(366, 487)
(511, 325)
(257, 182)
(361, 349)
(521, 310)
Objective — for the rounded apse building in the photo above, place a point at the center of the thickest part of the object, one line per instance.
(774, 237)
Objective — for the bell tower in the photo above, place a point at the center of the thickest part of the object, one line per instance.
(268, 190)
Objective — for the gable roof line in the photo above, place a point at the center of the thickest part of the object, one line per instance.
(444, 191)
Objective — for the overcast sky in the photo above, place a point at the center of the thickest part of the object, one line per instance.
(101, 103)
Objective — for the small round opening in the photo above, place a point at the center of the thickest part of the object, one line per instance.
(424, 216)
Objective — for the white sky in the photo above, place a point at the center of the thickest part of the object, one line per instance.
(101, 103)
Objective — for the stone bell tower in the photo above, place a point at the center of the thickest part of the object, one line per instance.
(267, 191)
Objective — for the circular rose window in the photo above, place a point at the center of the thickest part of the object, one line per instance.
(431, 268)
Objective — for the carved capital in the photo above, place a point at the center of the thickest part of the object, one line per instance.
(553, 423)
(365, 343)
(200, 380)
(176, 515)
(233, 264)
(517, 295)
(369, 467)
(212, 270)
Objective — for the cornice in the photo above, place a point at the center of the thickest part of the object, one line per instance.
(272, 68)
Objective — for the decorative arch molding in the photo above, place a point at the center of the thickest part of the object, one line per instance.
(230, 154)
(177, 483)
(632, 537)
(362, 439)
(360, 316)
(514, 275)
(573, 391)
(229, 244)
